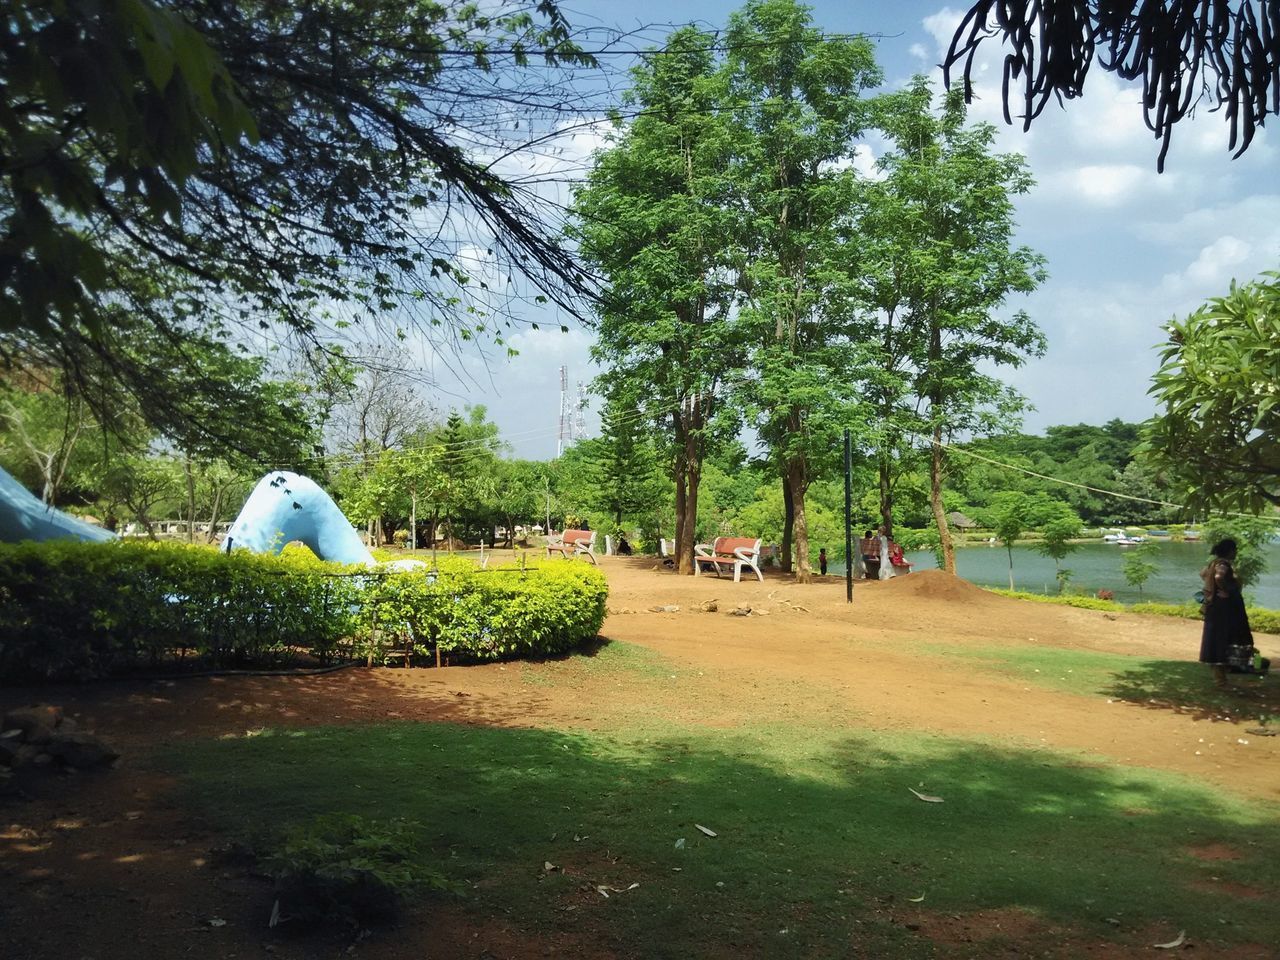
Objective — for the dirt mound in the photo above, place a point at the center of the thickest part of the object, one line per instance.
(935, 585)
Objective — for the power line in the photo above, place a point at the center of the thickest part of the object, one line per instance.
(1084, 486)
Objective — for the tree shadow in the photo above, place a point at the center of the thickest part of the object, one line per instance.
(1187, 688)
(820, 837)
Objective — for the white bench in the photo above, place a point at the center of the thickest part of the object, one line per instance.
(575, 543)
(737, 552)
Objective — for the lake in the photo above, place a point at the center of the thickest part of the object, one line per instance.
(1097, 566)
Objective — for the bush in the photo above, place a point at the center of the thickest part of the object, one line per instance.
(488, 614)
(1068, 600)
(71, 610)
(350, 869)
(79, 611)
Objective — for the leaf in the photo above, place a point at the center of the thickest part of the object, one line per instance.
(926, 797)
(707, 830)
(919, 899)
(1173, 944)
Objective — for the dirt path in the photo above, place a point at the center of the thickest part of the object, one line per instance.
(105, 866)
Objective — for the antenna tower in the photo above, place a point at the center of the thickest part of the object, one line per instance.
(579, 415)
(566, 425)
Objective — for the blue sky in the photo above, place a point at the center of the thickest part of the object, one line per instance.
(1127, 249)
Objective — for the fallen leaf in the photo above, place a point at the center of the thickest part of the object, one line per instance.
(707, 830)
(680, 844)
(925, 797)
(216, 922)
(1173, 944)
(919, 899)
(549, 867)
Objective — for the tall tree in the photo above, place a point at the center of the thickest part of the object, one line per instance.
(943, 217)
(653, 220)
(797, 110)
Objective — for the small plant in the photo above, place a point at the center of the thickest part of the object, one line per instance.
(350, 869)
(1138, 565)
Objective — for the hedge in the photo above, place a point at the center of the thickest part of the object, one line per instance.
(1261, 619)
(71, 610)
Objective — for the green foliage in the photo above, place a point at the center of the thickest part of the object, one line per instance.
(73, 610)
(486, 614)
(348, 868)
(1218, 435)
(1138, 566)
(1250, 535)
(1069, 600)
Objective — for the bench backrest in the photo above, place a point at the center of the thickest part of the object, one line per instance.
(578, 536)
(726, 545)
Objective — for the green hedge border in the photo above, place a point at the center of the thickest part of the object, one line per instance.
(79, 611)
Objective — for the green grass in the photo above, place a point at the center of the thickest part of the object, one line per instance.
(818, 833)
(1178, 686)
(614, 657)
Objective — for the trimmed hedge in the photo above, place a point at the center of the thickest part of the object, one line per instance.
(486, 614)
(71, 610)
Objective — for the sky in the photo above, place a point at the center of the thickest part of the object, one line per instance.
(1127, 249)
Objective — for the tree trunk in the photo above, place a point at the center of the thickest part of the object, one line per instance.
(688, 421)
(788, 525)
(413, 523)
(1009, 548)
(886, 497)
(214, 512)
(191, 500)
(798, 483)
(935, 500)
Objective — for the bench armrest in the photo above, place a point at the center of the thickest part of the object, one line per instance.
(702, 550)
(745, 554)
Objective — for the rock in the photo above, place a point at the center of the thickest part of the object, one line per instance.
(82, 750)
(14, 754)
(24, 718)
(762, 613)
(67, 725)
(709, 606)
(665, 608)
(740, 612)
(38, 734)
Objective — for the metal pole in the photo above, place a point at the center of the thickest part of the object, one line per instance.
(848, 518)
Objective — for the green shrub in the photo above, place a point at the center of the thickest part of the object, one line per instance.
(488, 614)
(350, 869)
(1067, 600)
(71, 610)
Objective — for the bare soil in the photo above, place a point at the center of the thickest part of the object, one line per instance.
(107, 865)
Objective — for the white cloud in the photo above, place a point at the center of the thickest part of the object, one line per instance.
(918, 51)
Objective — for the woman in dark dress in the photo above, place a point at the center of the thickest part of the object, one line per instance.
(1226, 625)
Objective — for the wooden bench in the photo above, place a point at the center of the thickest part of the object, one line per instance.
(575, 543)
(737, 552)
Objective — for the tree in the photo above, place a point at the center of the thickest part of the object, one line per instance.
(1138, 565)
(1252, 535)
(205, 167)
(653, 221)
(1059, 535)
(1182, 52)
(1009, 515)
(797, 111)
(1217, 437)
(941, 225)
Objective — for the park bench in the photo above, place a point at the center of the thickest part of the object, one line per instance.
(575, 543)
(737, 552)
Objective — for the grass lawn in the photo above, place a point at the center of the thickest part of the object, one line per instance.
(821, 848)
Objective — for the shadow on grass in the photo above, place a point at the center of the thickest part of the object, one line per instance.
(820, 845)
(1187, 688)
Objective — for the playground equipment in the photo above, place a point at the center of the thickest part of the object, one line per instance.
(24, 517)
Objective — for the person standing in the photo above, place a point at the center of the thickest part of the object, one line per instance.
(822, 561)
(1226, 624)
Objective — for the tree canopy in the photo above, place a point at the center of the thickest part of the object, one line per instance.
(200, 166)
(1184, 52)
(1218, 433)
